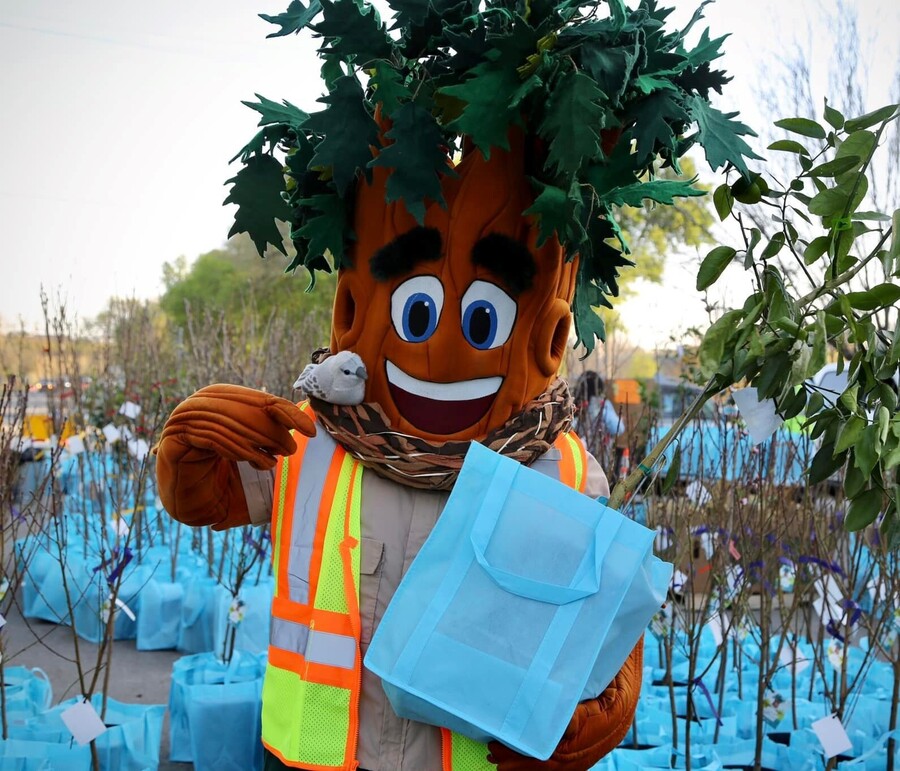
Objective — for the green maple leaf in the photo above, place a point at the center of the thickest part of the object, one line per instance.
(556, 210)
(271, 135)
(409, 13)
(702, 80)
(416, 159)
(663, 191)
(720, 135)
(611, 67)
(573, 122)
(387, 88)
(706, 49)
(257, 189)
(347, 130)
(353, 32)
(324, 231)
(272, 112)
(487, 115)
(657, 120)
(295, 18)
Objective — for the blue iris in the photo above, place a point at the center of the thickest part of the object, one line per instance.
(480, 324)
(419, 317)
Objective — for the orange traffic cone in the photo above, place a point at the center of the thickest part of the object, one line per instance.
(625, 464)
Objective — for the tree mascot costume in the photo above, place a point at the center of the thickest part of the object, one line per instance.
(462, 179)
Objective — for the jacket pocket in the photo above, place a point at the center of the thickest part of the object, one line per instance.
(370, 569)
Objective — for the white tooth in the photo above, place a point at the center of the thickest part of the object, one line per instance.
(461, 391)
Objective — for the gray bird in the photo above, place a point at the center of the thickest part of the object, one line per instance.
(339, 379)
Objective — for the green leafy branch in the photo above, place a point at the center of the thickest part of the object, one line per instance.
(780, 337)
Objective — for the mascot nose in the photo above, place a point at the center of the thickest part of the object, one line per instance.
(361, 373)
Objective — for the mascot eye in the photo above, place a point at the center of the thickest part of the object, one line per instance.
(416, 307)
(488, 315)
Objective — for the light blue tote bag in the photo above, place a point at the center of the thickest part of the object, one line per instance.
(526, 599)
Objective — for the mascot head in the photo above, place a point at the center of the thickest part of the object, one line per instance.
(464, 319)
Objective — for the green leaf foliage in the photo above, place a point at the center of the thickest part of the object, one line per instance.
(353, 31)
(712, 348)
(573, 122)
(343, 124)
(864, 509)
(257, 189)
(416, 159)
(789, 146)
(663, 191)
(324, 230)
(871, 118)
(803, 126)
(721, 135)
(713, 266)
(294, 19)
(273, 112)
(881, 296)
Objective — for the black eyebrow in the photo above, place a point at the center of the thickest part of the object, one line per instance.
(406, 251)
(509, 259)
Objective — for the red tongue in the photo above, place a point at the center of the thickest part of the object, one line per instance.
(439, 417)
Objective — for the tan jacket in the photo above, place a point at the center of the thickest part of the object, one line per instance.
(395, 521)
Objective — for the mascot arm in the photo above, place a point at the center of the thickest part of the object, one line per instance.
(205, 438)
(596, 728)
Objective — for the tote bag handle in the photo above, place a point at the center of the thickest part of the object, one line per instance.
(586, 581)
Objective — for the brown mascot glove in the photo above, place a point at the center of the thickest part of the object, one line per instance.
(205, 436)
(595, 730)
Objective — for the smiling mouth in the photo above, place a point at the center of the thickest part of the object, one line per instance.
(441, 408)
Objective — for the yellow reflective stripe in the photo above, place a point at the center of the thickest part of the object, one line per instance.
(468, 755)
(330, 594)
(276, 536)
(574, 446)
(354, 525)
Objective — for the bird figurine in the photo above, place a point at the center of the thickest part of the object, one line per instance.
(339, 379)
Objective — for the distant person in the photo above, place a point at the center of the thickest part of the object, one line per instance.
(599, 414)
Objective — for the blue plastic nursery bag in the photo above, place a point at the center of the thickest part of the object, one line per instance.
(527, 598)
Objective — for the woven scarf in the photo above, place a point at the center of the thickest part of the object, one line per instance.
(364, 431)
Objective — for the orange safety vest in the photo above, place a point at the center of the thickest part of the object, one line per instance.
(310, 702)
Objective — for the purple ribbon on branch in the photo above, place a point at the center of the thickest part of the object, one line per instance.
(699, 683)
(830, 566)
(127, 556)
(117, 570)
(260, 548)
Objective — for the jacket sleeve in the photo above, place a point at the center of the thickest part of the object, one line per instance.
(597, 485)
(259, 492)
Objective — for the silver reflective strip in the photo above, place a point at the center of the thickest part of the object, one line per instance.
(316, 461)
(335, 650)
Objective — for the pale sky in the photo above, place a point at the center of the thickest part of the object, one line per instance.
(119, 118)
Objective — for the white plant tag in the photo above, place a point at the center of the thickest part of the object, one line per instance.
(789, 659)
(663, 539)
(74, 445)
(111, 433)
(138, 448)
(697, 493)
(130, 410)
(125, 609)
(83, 722)
(2, 621)
(122, 528)
(717, 629)
(760, 416)
(832, 736)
